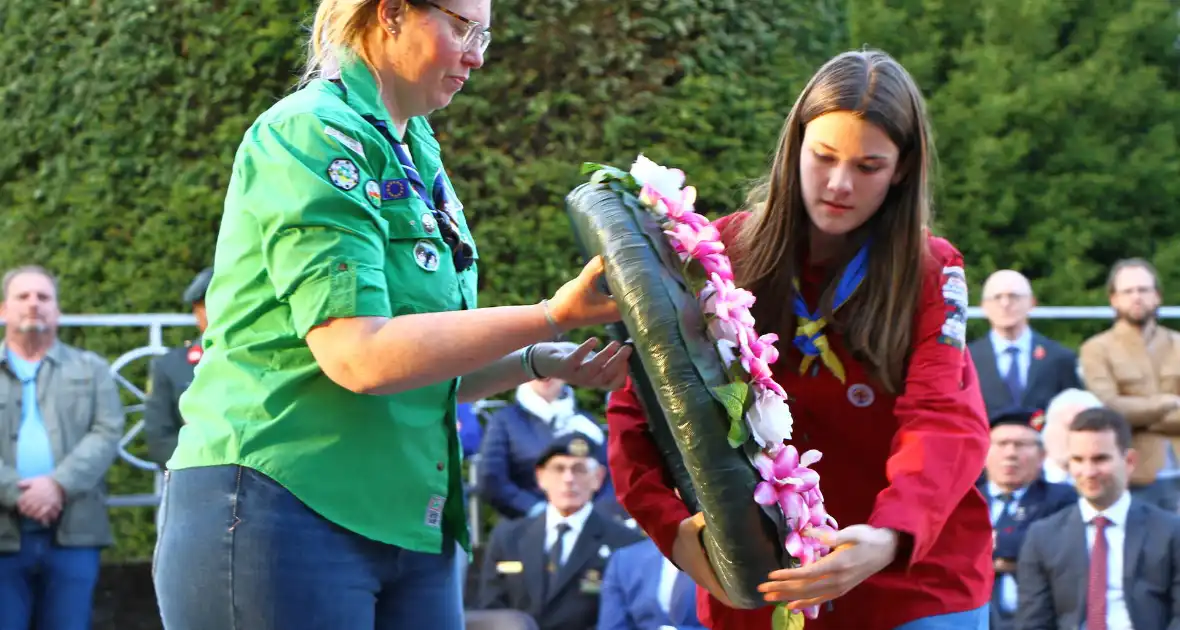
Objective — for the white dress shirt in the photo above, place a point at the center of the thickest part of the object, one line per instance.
(576, 521)
(668, 574)
(1117, 617)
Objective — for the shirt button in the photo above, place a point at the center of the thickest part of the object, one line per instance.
(440, 466)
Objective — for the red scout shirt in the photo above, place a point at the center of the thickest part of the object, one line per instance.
(907, 462)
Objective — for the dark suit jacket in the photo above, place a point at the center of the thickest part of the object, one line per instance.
(630, 592)
(513, 571)
(170, 376)
(1054, 567)
(1049, 375)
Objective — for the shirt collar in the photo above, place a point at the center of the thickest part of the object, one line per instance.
(1024, 342)
(363, 94)
(576, 521)
(995, 491)
(53, 353)
(1116, 513)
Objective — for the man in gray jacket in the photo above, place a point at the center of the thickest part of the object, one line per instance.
(60, 424)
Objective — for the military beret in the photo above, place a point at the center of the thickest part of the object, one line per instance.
(1031, 418)
(197, 288)
(570, 444)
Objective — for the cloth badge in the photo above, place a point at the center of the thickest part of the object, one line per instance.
(954, 295)
(194, 354)
(373, 192)
(345, 140)
(394, 189)
(344, 174)
(428, 223)
(861, 395)
(426, 255)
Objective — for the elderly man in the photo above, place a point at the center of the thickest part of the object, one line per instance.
(1018, 367)
(1062, 410)
(1018, 496)
(62, 407)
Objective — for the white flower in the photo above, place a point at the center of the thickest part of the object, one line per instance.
(666, 181)
(770, 418)
(728, 351)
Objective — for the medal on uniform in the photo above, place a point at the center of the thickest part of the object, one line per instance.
(428, 222)
(426, 255)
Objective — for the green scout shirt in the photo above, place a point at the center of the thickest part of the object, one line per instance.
(320, 223)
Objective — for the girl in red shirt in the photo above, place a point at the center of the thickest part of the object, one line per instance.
(885, 389)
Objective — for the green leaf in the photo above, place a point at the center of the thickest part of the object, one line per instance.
(591, 167)
(785, 619)
(733, 396)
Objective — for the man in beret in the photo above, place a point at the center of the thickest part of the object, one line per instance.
(170, 376)
(551, 565)
(1018, 495)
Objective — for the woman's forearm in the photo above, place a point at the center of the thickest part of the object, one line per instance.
(375, 355)
(494, 378)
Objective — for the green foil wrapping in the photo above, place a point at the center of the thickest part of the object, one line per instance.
(674, 367)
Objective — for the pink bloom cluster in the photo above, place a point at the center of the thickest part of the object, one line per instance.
(787, 479)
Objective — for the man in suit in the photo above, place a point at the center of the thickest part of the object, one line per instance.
(1111, 562)
(1134, 368)
(1018, 496)
(551, 565)
(1018, 367)
(633, 598)
(170, 377)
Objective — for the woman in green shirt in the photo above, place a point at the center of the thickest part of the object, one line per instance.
(316, 482)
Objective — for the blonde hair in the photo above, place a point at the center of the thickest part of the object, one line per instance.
(339, 26)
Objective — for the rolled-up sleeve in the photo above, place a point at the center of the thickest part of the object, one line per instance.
(942, 441)
(323, 237)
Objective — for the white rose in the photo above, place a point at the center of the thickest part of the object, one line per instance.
(769, 419)
(666, 181)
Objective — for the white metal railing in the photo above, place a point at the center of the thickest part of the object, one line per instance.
(156, 322)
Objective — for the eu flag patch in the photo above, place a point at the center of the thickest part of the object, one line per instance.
(393, 189)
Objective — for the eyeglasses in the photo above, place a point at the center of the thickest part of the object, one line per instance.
(475, 34)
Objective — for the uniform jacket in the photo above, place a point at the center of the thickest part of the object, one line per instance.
(1052, 369)
(631, 593)
(512, 575)
(908, 463)
(1130, 375)
(170, 377)
(82, 412)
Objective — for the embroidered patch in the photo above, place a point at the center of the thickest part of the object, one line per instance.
(346, 140)
(373, 192)
(434, 510)
(861, 395)
(394, 189)
(954, 295)
(426, 255)
(344, 174)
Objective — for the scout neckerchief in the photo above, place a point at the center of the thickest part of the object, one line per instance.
(809, 333)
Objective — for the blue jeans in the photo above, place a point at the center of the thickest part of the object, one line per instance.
(977, 619)
(47, 587)
(237, 551)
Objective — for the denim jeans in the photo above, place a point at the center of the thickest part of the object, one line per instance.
(47, 587)
(237, 551)
(978, 619)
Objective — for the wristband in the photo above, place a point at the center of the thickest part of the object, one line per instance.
(526, 362)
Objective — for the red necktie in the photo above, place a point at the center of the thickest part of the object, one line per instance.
(1096, 593)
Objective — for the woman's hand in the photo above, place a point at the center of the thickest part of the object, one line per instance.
(581, 302)
(858, 552)
(579, 366)
(690, 557)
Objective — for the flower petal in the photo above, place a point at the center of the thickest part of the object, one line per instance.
(810, 457)
(764, 494)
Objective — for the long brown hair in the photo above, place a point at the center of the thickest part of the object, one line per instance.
(877, 323)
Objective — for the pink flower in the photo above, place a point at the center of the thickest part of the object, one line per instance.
(695, 241)
(718, 265)
(757, 355)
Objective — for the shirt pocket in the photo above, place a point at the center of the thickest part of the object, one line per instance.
(419, 267)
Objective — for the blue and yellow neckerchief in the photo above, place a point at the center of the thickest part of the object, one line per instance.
(809, 335)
